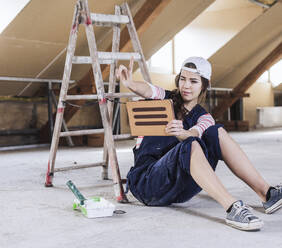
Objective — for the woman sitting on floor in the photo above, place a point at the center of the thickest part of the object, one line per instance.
(173, 169)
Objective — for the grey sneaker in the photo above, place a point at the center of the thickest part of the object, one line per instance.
(275, 200)
(242, 218)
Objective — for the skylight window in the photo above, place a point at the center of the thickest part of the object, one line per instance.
(264, 78)
(276, 74)
(9, 11)
(273, 75)
(161, 61)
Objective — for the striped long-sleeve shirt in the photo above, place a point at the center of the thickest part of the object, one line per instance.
(203, 122)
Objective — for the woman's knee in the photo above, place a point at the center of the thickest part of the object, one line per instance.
(195, 146)
(212, 138)
(211, 134)
(222, 132)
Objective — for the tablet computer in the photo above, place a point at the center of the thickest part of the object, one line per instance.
(149, 117)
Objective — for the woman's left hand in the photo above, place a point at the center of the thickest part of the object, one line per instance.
(175, 128)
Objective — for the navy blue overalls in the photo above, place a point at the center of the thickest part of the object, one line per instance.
(161, 172)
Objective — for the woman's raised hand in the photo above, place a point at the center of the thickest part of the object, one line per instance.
(124, 74)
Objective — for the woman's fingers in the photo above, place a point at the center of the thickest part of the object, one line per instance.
(174, 127)
(122, 73)
(117, 73)
(175, 123)
(174, 133)
(173, 130)
(131, 65)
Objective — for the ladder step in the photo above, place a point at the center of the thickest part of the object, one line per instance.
(107, 95)
(107, 83)
(94, 131)
(122, 136)
(106, 57)
(81, 132)
(79, 167)
(108, 20)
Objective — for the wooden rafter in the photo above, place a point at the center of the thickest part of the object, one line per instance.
(248, 81)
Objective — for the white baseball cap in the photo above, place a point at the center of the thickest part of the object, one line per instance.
(204, 68)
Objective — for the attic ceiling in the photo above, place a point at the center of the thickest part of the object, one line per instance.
(248, 48)
(39, 35)
(34, 43)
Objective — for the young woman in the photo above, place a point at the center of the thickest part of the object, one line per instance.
(173, 169)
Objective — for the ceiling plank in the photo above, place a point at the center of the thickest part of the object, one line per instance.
(248, 81)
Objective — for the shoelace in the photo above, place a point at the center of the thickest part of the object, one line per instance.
(279, 188)
(244, 211)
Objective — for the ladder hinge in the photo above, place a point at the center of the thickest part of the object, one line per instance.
(103, 100)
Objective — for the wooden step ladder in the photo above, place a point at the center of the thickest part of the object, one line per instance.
(83, 16)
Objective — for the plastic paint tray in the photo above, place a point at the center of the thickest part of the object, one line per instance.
(95, 207)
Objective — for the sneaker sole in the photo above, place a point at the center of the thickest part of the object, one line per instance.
(245, 226)
(274, 207)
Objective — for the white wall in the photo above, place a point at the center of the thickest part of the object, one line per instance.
(269, 117)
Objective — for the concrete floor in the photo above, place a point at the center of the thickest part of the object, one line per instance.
(35, 216)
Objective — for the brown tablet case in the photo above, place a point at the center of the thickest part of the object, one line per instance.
(149, 117)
